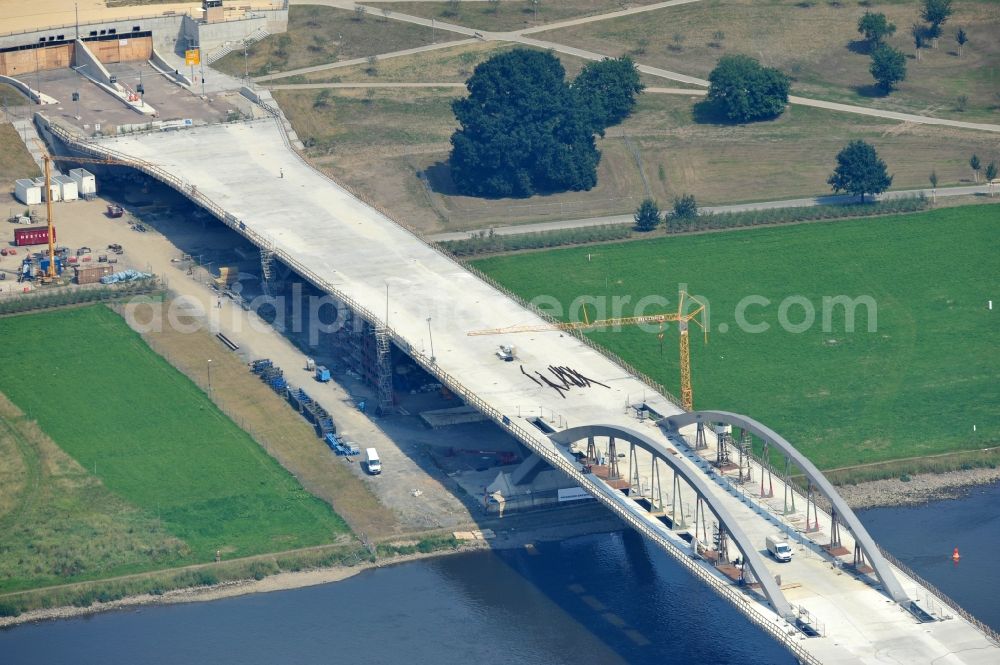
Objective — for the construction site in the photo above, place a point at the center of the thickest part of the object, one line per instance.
(103, 215)
(479, 406)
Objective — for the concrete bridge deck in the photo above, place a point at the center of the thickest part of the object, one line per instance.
(352, 251)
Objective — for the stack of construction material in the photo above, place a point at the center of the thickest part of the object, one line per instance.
(92, 272)
(228, 275)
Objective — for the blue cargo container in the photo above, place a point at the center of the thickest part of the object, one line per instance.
(322, 374)
(44, 264)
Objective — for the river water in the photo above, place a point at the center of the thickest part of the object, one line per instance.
(601, 599)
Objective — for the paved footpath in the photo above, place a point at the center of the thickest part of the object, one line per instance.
(519, 36)
(840, 199)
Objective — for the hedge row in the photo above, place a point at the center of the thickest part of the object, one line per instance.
(157, 583)
(59, 297)
(730, 220)
(488, 242)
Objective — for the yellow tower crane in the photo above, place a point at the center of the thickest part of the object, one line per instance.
(697, 314)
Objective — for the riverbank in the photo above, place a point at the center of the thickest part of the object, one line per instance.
(918, 489)
(277, 582)
(514, 531)
(520, 531)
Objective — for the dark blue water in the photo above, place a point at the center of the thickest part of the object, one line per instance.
(601, 599)
(923, 538)
(598, 600)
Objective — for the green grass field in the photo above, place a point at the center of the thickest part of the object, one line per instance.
(914, 386)
(152, 438)
(51, 508)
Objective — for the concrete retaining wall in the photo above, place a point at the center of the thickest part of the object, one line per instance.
(34, 95)
(214, 35)
(90, 65)
(159, 63)
(166, 31)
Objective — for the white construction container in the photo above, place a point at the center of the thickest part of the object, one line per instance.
(86, 183)
(67, 187)
(53, 186)
(27, 192)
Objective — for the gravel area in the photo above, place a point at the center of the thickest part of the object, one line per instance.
(919, 489)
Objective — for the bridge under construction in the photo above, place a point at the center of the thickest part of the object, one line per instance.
(707, 487)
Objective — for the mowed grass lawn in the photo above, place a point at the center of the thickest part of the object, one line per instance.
(915, 386)
(153, 438)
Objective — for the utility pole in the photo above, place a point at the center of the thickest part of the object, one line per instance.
(38, 78)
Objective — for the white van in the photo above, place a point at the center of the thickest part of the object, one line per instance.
(372, 462)
(779, 549)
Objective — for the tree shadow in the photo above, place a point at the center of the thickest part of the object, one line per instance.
(859, 46)
(707, 113)
(438, 178)
(871, 91)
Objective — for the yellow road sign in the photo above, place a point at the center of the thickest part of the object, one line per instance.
(192, 57)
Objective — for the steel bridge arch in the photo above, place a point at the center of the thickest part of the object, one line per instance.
(846, 516)
(751, 556)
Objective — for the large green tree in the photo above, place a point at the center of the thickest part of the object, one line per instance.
(888, 67)
(936, 12)
(521, 130)
(860, 171)
(875, 27)
(607, 90)
(747, 91)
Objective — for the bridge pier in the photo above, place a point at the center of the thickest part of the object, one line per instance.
(367, 350)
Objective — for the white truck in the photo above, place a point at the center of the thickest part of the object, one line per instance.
(372, 462)
(779, 549)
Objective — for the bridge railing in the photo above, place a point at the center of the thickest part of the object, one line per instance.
(990, 633)
(769, 623)
(654, 385)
